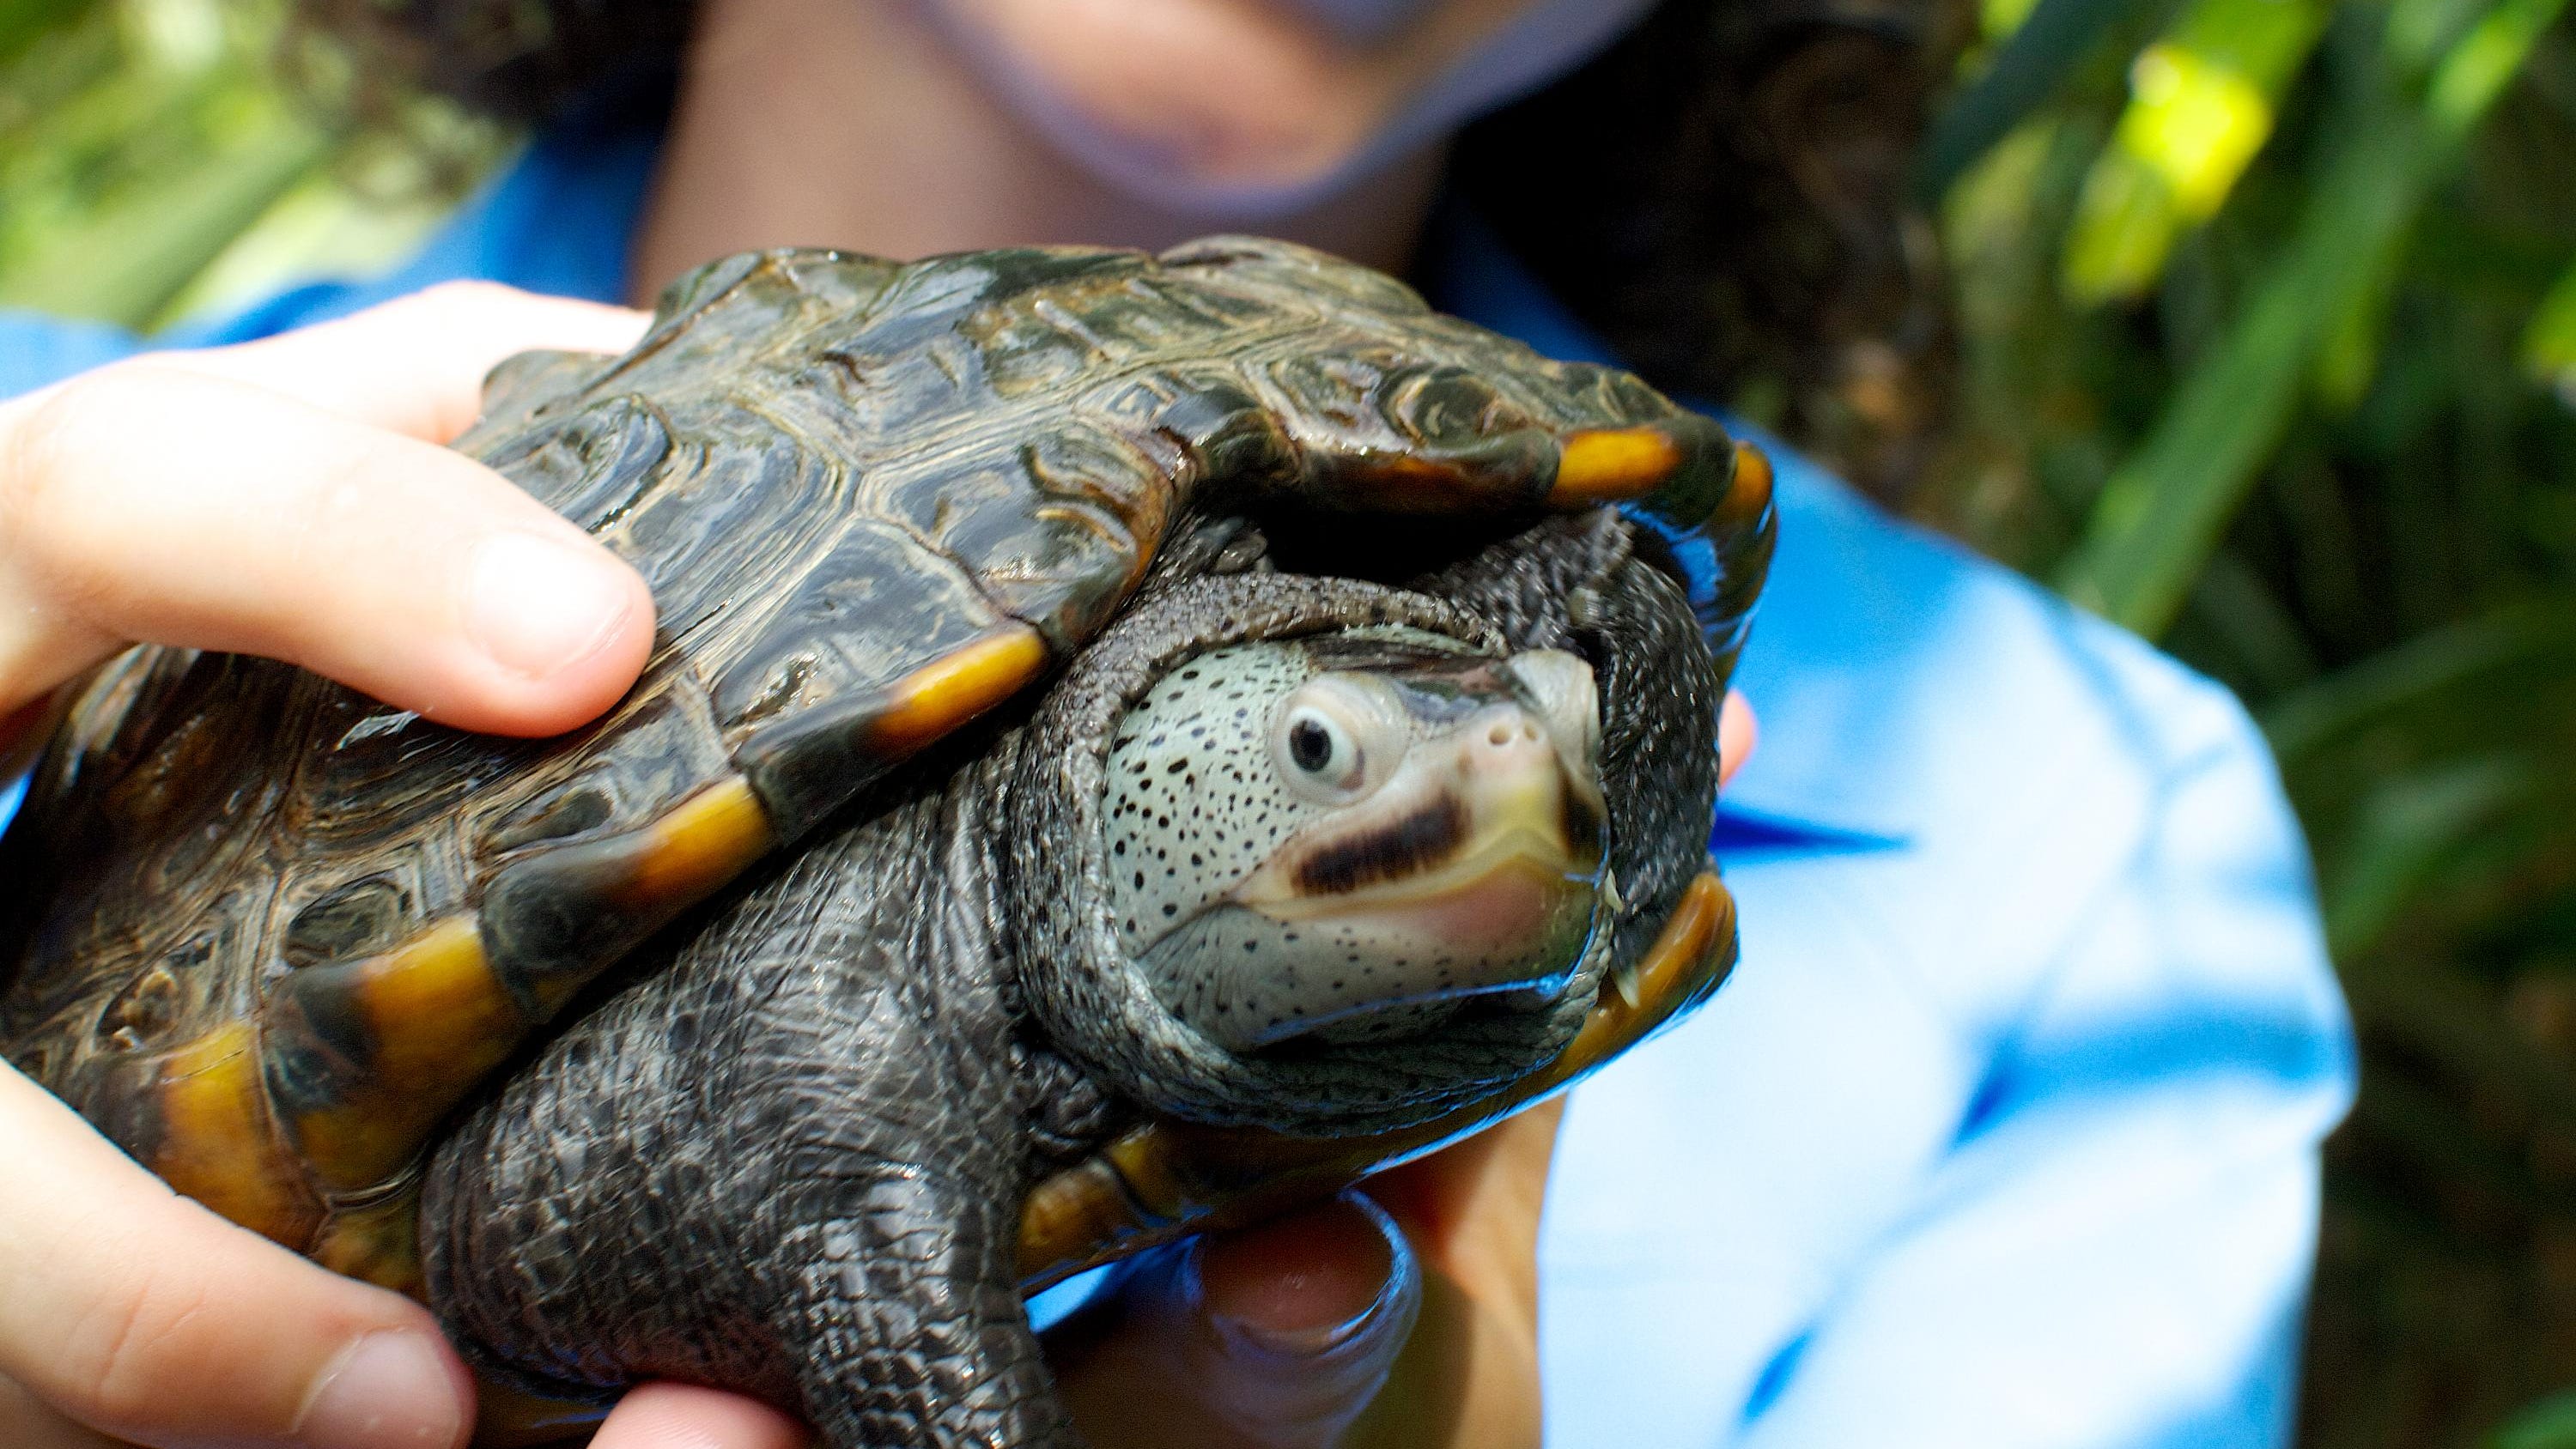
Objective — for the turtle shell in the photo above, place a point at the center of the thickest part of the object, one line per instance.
(278, 930)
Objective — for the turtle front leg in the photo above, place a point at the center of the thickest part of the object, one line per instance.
(906, 1326)
(883, 1310)
(790, 1164)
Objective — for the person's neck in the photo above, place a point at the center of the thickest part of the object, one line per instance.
(854, 124)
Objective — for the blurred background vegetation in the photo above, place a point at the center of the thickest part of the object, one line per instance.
(2262, 341)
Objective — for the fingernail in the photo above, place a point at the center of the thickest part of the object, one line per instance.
(389, 1390)
(1262, 1330)
(540, 605)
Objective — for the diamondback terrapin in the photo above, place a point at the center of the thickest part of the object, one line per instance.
(1320, 844)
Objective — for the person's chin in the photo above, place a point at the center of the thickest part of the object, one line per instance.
(1243, 144)
(1189, 176)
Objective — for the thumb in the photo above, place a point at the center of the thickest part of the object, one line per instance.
(140, 1314)
(1275, 1336)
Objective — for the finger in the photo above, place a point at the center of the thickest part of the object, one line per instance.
(1276, 1336)
(685, 1416)
(142, 1315)
(416, 365)
(26, 1423)
(147, 503)
(1468, 1376)
(1737, 733)
(1472, 1209)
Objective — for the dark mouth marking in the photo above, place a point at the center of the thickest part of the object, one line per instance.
(1394, 850)
(1580, 822)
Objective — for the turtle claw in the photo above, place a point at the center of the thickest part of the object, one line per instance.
(1169, 1179)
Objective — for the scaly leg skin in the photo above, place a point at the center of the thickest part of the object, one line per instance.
(789, 1163)
(908, 1329)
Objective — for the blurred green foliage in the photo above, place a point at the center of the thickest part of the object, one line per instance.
(2268, 348)
(2267, 319)
(152, 163)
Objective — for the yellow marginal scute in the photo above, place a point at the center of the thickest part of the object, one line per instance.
(219, 1144)
(1070, 1214)
(440, 1019)
(1665, 978)
(1750, 492)
(709, 839)
(506, 1418)
(943, 694)
(430, 1000)
(1613, 465)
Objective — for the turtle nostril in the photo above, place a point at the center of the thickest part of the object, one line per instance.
(1501, 733)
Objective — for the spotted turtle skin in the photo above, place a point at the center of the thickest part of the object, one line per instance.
(705, 1042)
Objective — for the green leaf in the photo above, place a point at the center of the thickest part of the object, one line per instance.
(2165, 509)
(125, 262)
(2202, 101)
(2535, 638)
(2549, 1424)
(2409, 826)
(2169, 504)
(2469, 79)
(22, 22)
(2032, 64)
(2549, 344)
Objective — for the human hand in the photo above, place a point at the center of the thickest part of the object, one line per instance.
(290, 498)
(286, 498)
(1402, 1314)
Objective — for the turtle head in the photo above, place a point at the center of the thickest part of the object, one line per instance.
(1327, 855)
(1345, 837)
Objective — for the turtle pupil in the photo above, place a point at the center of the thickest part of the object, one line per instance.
(1310, 745)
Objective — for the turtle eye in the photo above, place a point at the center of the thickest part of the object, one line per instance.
(1312, 744)
(1318, 750)
(1337, 737)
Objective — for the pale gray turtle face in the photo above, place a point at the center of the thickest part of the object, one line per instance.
(1345, 837)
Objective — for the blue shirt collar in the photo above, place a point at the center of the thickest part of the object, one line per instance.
(560, 220)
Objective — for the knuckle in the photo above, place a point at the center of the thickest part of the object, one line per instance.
(49, 524)
(115, 1364)
(42, 498)
(44, 440)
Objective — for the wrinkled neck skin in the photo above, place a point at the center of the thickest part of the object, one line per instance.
(859, 124)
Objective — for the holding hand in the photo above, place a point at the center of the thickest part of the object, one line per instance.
(290, 498)
(287, 498)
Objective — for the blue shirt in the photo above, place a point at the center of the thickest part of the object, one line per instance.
(2005, 1132)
